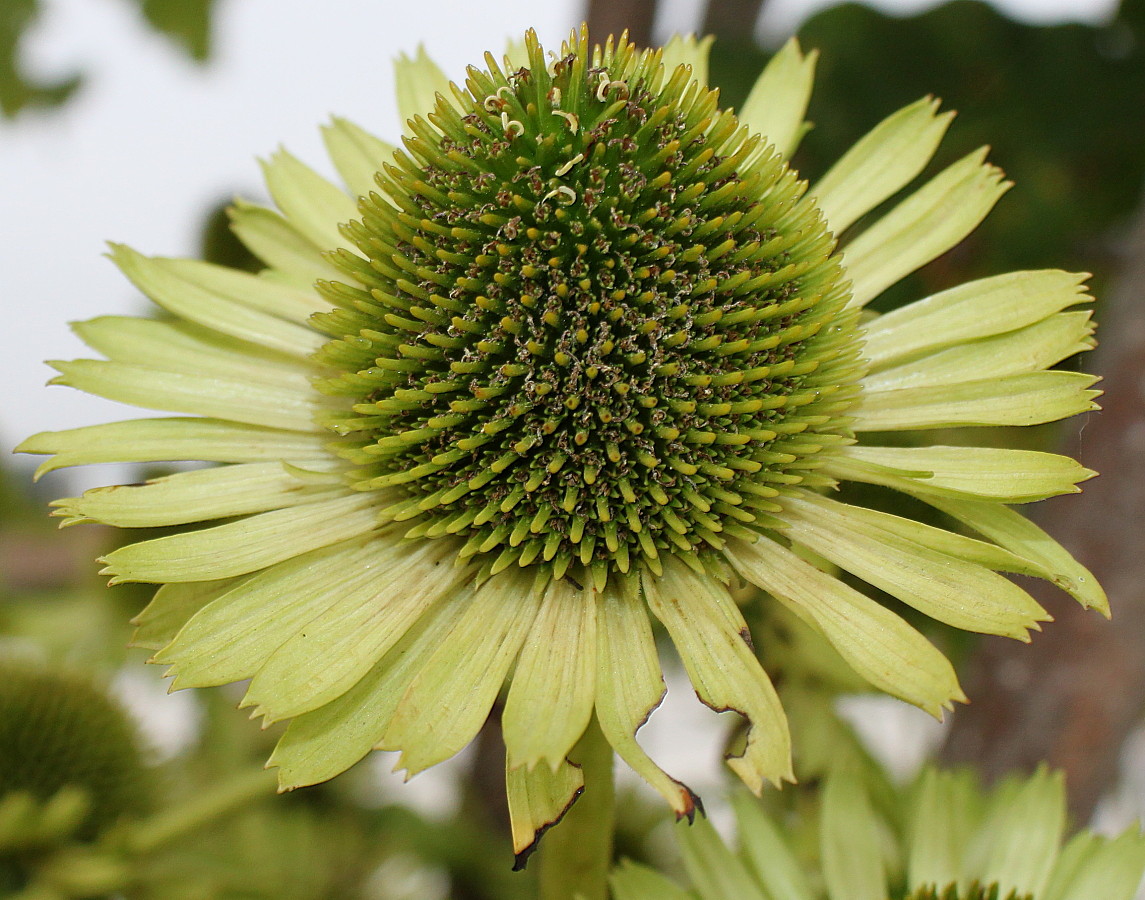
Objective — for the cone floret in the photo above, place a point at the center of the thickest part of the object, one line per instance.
(594, 321)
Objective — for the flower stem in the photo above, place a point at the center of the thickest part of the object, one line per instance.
(577, 853)
(173, 824)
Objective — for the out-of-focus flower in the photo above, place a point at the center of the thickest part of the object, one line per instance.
(581, 354)
(958, 843)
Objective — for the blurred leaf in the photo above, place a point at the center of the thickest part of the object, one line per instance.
(17, 91)
(187, 22)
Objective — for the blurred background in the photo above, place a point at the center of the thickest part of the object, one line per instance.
(137, 121)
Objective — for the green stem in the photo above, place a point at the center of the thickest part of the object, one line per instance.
(576, 855)
(167, 826)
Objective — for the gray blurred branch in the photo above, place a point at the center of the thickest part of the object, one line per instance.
(607, 17)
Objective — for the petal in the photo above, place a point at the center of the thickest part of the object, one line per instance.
(1028, 349)
(1017, 843)
(551, 696)
(310, 203)
(194, 496)
(357, 154)
(245, 546)
(1018, 534)
(970, 311)
(951, 590)
(274, 240)
(713, 642)
(1091, 866)
(778, 101)
(419, 81)
(717, 873)
(629, 685)
(158, 440)
(1028, 399)
(275, 293)
(688, 50)
(944, 814)
(191, 350)
(193, 294)
(231, 637)
(171, 608)
(321, 744)
(276, 406)
(768, 853)
(632, 881)
(853, 857)
(883, 162)
(924, 226)
(339, 645)
(972, 473)
(451, 696)
(875, 642)
(538, 799)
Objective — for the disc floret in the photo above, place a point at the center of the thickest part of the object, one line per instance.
(593, 320)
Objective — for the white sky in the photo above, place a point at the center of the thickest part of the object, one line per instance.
(153, 141)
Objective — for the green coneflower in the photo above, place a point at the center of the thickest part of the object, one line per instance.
(581, 353)
(958, 843)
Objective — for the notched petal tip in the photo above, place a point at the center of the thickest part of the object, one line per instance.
(521, 856)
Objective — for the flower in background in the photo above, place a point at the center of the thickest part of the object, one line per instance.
(955, 842)
(581, 354)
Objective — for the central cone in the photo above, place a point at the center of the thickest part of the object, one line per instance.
(593, 320)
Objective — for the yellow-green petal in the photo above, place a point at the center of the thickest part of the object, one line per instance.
(960, 593)
(338, 646)
(631, 881)
(713, 642)
(882, 162)
(717, 873)
(189, 349)
(196, 295)
(778, 100)
(970, 311)
(171, 608)
(321, 744)
(849, 840)
(1028, 399)
(767, 852)
(310, 203)
(538, 799)
(875, 642)
(1091, 866)
(231, 637)
(944, 816)
(274, 240)
(172, 439)
(204, 395)
(929, 222)
(248, 545)
(195, 496)
(629, 684)
(688, 50)
(551, 696)
(419, 81)
(1028, 349)
(1017, 843)
(1015, 532)
(356, 154)
(451, 696)
(972, 473)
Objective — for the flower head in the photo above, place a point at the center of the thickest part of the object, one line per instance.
(583, 351)
(945, 839)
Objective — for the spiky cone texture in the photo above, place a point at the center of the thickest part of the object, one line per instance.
(580, 355)
(956, 842)
(70, 767)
